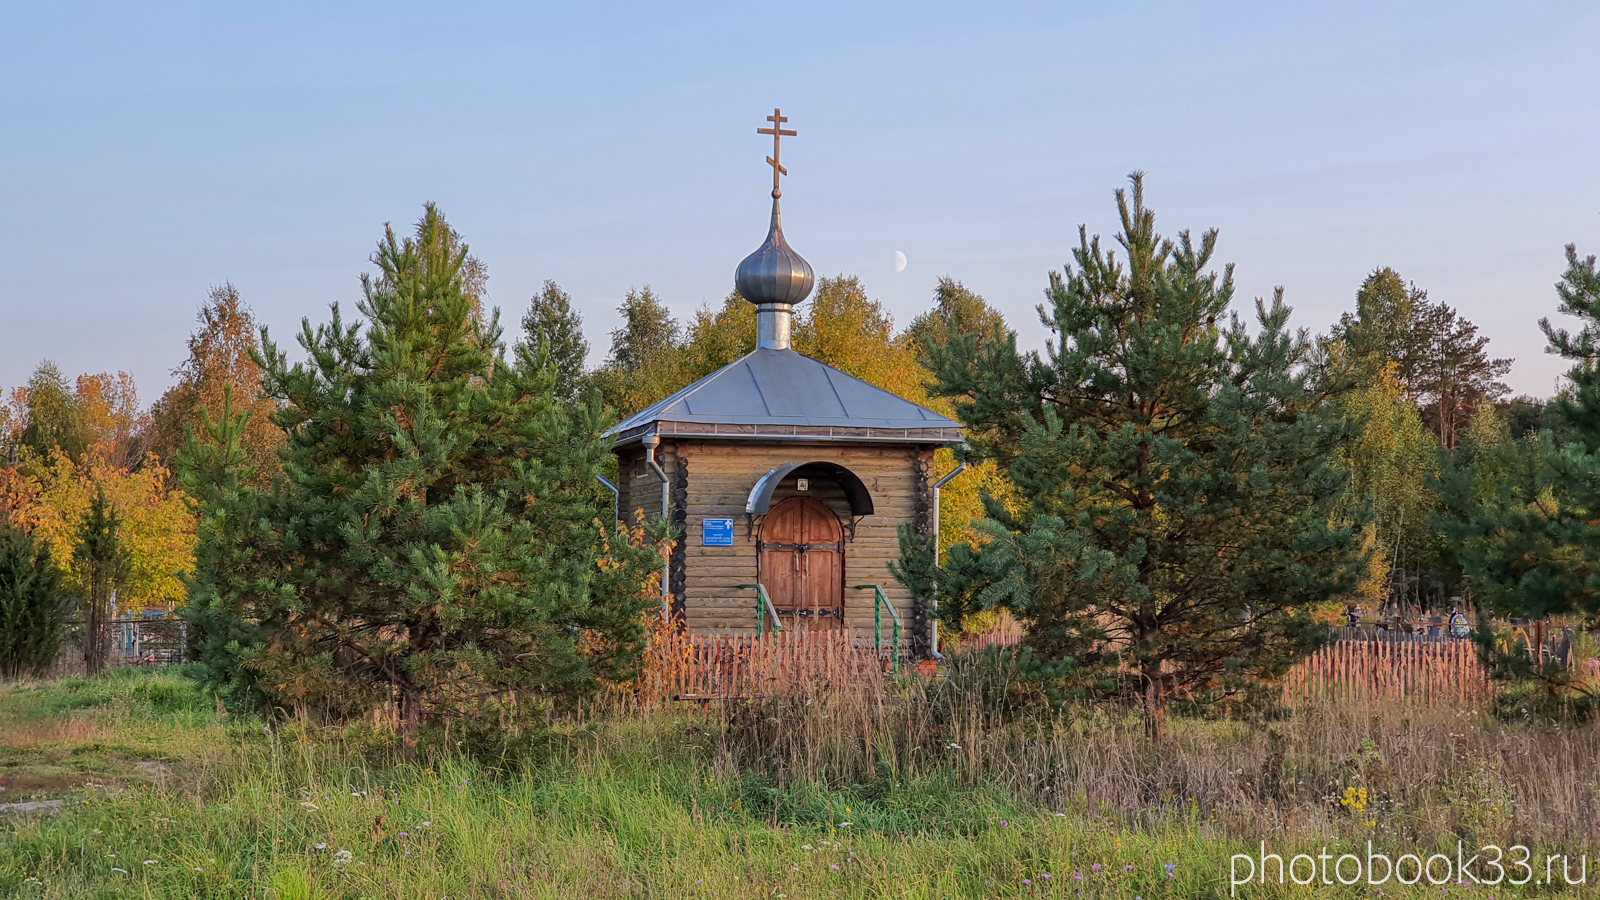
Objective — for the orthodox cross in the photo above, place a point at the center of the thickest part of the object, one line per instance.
(778, 133)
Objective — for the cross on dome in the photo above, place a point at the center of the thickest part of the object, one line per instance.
(778, 133)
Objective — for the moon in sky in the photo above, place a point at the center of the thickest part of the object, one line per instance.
(899, 261)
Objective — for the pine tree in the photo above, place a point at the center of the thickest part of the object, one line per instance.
(218, 473)
(1579, 290)
(1458, 374)
(552, 336)
(1176, 480)
(33, 612)
(440, 539)
(102, 566)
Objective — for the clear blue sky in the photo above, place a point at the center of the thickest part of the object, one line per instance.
(147, 154)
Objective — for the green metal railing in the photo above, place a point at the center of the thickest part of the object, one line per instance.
(879, 603)
(764, 608)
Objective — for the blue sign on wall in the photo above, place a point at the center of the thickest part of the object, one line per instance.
(716, 532)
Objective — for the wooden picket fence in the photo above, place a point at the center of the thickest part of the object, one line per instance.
(1000, 641)
(1437, 673)
(698, 668)
(683, 667)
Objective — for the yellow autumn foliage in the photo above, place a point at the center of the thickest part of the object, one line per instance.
(157, 530)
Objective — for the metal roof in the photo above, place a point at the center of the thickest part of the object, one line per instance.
(782, 395)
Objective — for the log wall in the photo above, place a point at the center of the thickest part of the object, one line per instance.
(720, 476)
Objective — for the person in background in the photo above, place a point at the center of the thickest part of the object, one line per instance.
(1353, 614)
(1458, 623)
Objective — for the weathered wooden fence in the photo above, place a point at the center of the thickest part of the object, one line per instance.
(698, 667)
(704, 667)
(1001, 640)
(1434, 673)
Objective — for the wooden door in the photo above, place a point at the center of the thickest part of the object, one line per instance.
(802, 563)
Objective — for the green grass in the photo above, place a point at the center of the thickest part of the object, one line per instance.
(124, 728)
(618, 808)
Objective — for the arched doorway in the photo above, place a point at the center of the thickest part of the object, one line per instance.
(801, 562)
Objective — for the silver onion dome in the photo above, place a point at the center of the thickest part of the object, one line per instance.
(774, 277)
(774, 273)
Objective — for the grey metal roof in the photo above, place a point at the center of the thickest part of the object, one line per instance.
(780, 394)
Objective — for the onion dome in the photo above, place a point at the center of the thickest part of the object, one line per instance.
(774, 274)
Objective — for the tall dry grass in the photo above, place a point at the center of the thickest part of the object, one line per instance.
(1354, 766)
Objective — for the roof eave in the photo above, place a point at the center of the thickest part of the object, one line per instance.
(898, 434)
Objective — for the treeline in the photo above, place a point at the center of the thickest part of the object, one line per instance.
(411, 514)
(89, 488)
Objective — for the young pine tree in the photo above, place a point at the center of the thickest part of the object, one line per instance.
(33, 612)
(102, 566)
(1175, 480)
(552, 336)
(440, 539)
(217, 471)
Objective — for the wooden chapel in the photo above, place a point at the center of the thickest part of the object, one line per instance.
(784, 473)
